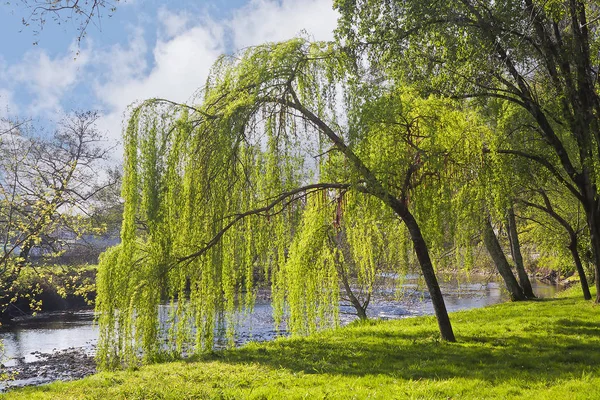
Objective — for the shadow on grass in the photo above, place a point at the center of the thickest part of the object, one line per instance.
(543, 347)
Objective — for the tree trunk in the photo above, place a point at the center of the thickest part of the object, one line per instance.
(493, 247)
(515, 249)
(429, 275)
(374, 187)
(590, 205)
(573, 241)
(582, 278)
(341, 243)
(595, 242)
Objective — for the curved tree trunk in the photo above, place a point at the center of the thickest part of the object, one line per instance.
(573, 240)
(429, 275)
(515, 249)
(375, 188)
(493, 247)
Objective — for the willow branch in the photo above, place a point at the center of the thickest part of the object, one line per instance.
(257, 211)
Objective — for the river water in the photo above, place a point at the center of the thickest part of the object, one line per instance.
(60, 346)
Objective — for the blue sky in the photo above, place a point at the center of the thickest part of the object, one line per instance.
(147, 48)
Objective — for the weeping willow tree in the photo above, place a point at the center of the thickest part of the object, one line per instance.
(286, 148)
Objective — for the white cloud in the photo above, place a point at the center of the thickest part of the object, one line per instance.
(173, 67)
(173, 23)
(48, 79)
(272, 21)
(180, 65)
(120, 64)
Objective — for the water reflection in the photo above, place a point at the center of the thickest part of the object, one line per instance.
(63, 330)
(47, 333)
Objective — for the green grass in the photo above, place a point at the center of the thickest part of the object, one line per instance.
(546, 349)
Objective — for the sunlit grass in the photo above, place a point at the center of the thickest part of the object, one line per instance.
(545, 349)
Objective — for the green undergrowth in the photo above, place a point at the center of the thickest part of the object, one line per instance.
(543, 349)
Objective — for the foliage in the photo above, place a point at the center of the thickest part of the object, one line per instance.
(47, 187)
(538, 58)
(551, 239)
(4, 376)
(285, 138)
(46, 287)
(543, 349)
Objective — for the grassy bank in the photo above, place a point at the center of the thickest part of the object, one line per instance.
(546, 349)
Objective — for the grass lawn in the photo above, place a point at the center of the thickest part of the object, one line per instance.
(545, 349)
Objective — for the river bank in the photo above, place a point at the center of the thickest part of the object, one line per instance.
(61, 345)
(543, 349)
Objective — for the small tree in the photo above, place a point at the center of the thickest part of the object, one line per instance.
(47, 186)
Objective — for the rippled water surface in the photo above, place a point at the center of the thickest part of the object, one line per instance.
(52, 332)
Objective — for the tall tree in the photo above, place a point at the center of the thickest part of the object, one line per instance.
(493, 246)
(536, 55)
(552, 205)
(213, 190)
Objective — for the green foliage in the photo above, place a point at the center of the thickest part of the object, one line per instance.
(52, 283)
(545, 349)
(48, 185)
(311, 263)
(526, 65)
(287, 147)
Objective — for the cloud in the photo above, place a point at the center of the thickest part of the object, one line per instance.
(173, 67)
(272, 21)
(120, 64)
(173, 23)
(48, 79)
(180, 64)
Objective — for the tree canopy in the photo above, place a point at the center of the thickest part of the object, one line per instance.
(538, 56)
(287, 145)
(47, 188)
(424, 124)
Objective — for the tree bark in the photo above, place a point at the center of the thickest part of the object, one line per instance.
(572, 237)
(515, 249)
(582, 278)
(593, 225)
(493, 247)
(429, 275)
(374, 187)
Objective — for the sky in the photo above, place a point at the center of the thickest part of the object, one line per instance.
(145, 49)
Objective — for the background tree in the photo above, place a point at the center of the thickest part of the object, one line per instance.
(527, 182)
(560, 225)
(47, 186)
(81, 13)
(515, 250)
(537, 55)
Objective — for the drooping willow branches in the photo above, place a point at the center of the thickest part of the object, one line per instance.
(289, 168)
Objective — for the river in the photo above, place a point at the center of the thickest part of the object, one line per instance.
(60, 345)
